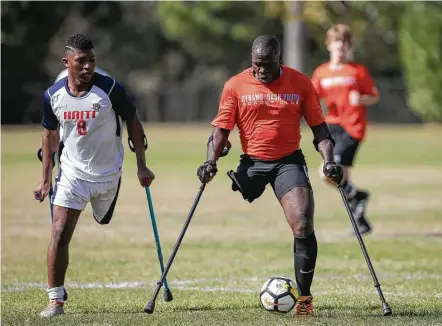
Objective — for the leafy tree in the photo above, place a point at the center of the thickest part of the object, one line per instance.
(216, 32)
(25, 39)
(421, 54)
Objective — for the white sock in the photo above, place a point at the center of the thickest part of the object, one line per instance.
(56, 294)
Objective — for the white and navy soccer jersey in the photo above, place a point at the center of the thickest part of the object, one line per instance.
(64, 73)
(90, 124)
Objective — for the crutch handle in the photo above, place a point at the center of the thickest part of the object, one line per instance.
(38, 196)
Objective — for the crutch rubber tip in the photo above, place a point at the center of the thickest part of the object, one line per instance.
(386, 309)
(149, 308)
(168, 295)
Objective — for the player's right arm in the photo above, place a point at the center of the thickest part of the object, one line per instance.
(367, 93)
(223, 123)
(49, 142)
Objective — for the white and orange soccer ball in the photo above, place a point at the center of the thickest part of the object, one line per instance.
(278, 294)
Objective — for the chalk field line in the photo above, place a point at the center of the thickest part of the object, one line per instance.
(197, 285)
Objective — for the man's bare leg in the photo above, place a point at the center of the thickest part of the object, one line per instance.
(298, 205)
(63, 226)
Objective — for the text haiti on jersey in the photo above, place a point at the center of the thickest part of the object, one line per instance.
(83, 114)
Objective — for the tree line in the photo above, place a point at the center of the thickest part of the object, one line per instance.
(147, 45)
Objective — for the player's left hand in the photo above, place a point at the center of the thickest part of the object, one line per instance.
(145, 176)
(42, 190)
(354, 98)
(334, 172)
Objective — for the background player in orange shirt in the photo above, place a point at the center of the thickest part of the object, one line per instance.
(347, 89)
(267, 103)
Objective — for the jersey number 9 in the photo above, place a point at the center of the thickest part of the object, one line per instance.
(81, 127)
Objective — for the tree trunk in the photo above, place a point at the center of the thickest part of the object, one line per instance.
(295, 37)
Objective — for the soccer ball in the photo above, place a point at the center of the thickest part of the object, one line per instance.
(278, 294)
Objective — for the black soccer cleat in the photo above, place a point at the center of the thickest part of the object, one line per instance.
(359, 207)
(363, 226)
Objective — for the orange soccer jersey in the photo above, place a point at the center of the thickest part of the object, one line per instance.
(268, 116)
(335, 85)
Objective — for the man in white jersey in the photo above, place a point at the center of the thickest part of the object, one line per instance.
(90, 108)
(64, 74)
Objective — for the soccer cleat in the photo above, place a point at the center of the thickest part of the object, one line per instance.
(54, 308)
(304, 306)
(359, 207)
(363, 226)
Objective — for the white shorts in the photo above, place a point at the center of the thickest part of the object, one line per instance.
(75, 193)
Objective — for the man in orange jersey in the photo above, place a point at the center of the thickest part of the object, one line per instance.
(267, 103)
(347, 89)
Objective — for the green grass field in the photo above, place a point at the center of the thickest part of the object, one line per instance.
(231, 246)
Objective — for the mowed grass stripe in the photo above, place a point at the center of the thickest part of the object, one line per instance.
(231, 247)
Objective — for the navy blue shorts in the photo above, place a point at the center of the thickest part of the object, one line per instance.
(253, 175)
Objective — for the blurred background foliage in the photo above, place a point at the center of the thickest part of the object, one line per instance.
(421, 53)
(175, 56)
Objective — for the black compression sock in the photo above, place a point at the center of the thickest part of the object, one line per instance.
(306, 250)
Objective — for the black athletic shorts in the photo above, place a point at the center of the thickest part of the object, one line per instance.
(253, 175)
(346, 146)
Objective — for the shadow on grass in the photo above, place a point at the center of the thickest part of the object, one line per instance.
(372, 310)
(416, 313)
(163, 309)
(394, 235)
(217, 308)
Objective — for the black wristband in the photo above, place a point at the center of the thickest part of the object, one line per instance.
(327, 136)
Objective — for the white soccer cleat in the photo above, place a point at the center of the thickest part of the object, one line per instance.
(54, 308)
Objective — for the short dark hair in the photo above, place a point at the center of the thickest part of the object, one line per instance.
(78, 42)
(266, 42)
